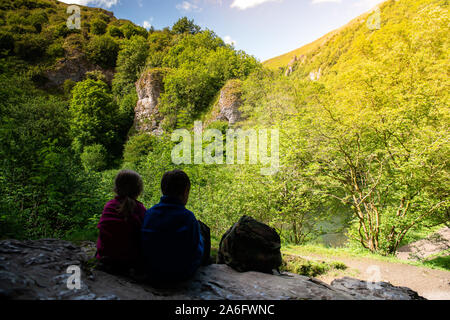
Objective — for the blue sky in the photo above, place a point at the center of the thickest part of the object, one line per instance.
(263, 28)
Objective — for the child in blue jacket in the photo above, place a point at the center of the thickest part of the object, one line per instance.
(173, 247)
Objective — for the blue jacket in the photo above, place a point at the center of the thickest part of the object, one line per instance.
(172, 245)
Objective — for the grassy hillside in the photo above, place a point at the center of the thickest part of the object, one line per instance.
(36, 32)
(282, 60)
(370, 132)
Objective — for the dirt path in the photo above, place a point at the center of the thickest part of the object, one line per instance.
(430, 283)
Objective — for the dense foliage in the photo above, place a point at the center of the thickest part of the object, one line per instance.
(372, 132)
(363, 123)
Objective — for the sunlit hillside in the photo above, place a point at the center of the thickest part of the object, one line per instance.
(284, 59)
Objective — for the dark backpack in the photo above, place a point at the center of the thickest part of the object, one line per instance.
(250, 245)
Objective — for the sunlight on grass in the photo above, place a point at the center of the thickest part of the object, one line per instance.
(440, 263)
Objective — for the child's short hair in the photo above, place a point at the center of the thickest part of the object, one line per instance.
(174, 183)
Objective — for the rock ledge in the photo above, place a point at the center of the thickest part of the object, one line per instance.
(38, 270)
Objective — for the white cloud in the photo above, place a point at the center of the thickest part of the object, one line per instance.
(322, 1)
(146, 24)
(100, 3)
(228, 40)
(245, 4)
(188, 6)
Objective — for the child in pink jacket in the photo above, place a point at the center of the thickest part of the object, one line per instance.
(118, 244)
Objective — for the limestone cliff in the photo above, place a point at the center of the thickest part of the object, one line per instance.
(149, 88)
(227, 108)
(290, 66)
(74, 65)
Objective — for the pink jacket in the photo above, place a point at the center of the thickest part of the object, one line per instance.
(119, 240)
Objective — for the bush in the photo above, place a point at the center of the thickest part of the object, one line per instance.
(98, 27)
(222, 126)
(68, 86)
(93, 158)
(129, 30)
(61, 30)
(115, 32)
(37, 20)
(6, 42)
(93, 116)
(130, 62)
(30, 47)
(55, 50)
(96, 75)
(137, 147)
(102, 50)
(308, 268)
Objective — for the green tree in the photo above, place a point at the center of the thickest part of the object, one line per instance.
(130, 62)
(130, 30)
(115, 31)
(138, 147)
(200, 65)
(103, 50)
(93, 116)
(94, 158)
(159, 42)
(184, 25)
(98, 27)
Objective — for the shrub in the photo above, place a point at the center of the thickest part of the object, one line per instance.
(137, 147)
(98, 27)
(129, 30)
(6, 42)
(93, 158)
(68, 86)
(93, 115)
(96, 75)
(102, 50)
(55, 50)
(308, 268)
(115, 32)
(222, 126)
(37, 20)
(30, 47)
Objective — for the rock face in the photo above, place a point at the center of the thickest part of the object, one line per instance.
(38, 270)
(149, 88)
(230, 102)
(290, 66)
(315, 75)
(375, 291)
(425, 248)
(73, 66)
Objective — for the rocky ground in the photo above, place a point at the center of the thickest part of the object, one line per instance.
(426, 248)
(38, 270)
(430, 283)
